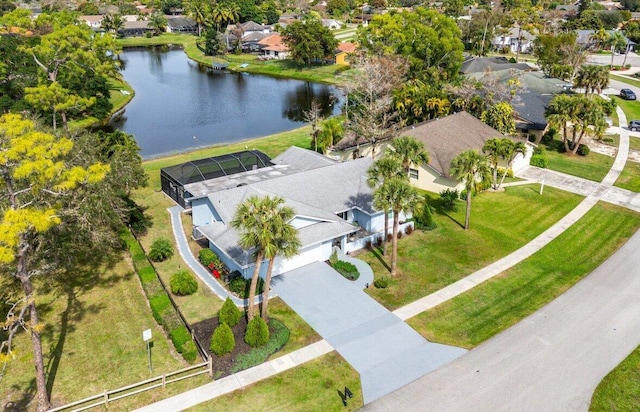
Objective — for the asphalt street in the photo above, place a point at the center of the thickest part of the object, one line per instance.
(551, 361)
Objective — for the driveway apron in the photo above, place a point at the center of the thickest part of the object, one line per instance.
(386, 352)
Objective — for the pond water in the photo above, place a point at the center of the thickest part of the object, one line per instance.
(180, 105)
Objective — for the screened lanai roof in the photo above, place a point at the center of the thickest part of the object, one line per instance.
(212, 167)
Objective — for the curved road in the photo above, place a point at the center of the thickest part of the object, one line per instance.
(552, 360)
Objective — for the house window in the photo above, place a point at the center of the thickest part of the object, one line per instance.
(413, 174)
(343, 215)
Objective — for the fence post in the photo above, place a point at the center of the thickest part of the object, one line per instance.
(164, 380)
(106, 398)
(210, 366)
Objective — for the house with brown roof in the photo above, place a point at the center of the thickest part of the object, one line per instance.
(343, 50)
(273, 47)
(444, 139)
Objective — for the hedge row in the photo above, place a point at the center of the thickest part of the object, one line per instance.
(161, 308)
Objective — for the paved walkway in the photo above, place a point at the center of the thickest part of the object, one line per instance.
(386, 352)
(197, 395)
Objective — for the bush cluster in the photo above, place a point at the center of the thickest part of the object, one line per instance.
(346, 269)
(539, 158)
(257, 333)
(222, 341)
(240, 286)
(163, 311)
(183, 283)
(229, 313)
(583, 150)
(256, 356)
(424, 218)
(161, 249)
(448, 198)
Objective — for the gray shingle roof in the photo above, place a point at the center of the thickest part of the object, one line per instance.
(302, 159)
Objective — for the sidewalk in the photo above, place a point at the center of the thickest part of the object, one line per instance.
(233, 382)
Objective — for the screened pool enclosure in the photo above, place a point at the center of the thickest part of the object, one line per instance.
(174, 178)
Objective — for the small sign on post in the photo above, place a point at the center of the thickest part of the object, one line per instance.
(146, 337)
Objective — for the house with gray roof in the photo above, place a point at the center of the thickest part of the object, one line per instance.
(331, 200)
(513, 39)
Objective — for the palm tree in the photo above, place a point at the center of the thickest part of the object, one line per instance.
(616, 41)
(399, 196)
(331, 131)
(286, 240)
(561, 112)
(157, 22)
(599, 37)
(409, 150)
(592, 78)
(494, 148)
(471, 168)
(199, 11)
(509, 153)
(252, 220)
(381, 171)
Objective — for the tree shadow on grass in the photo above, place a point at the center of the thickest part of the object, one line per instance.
(441, 210)
(377, 252)
(22, 404)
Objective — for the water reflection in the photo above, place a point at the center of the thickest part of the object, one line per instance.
(177, 99)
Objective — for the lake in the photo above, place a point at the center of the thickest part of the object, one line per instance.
(181, 105)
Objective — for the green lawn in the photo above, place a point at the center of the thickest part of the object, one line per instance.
(620, 389)
(594, 166)
(491, 307)
(93, 342)
(631, 108)
(312, 386)
(630, 177)
(500, 223)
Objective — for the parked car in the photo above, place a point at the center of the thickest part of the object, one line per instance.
(634, 125)
(627, 94)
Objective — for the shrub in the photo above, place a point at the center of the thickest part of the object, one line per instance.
(333, 259)
(189, 351)
(448, 198)
(183, 283)
(240, 286)
(549, 136)
(539, 160)
(147, 274)
(583, 150)
(381, 282)
(229, 313)
(399, 234)
(501, 172)
(179, 336)
(256, 356)
(346, 269)
(161, 249)
(379, 240)
(424, 219)
(408, 230)
(207, 256)
(222, 340)
(389, 237)
(158, 305)
(257, 333)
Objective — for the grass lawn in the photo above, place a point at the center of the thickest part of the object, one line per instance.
(93, 342)
(312, 386)
(623, 79)
(491, 307)
(620, 389)
(631, 108)
(630, 177)
(594, 166)
(500, 223)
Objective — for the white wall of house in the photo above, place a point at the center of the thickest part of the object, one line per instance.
(364, 150)
(277, 54)
(299, 222)
(430, 180)
(358, 244)
(523, 161)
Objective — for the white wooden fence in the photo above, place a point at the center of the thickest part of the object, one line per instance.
(136, 388)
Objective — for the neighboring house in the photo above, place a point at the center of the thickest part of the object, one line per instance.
(135, 28)
(332, 204)
(343, 51)
(249, 34)
(510, 41)
(273, 47)
(530, 101)
(181, 24)
(332, 24)
(585, 39)
(93, 21)
(444, 139)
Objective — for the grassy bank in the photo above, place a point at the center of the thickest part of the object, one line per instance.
(491, 307)
(277, 68)
(500, 223)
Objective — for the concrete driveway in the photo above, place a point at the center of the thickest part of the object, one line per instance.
(552, 360)
(386, 352)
